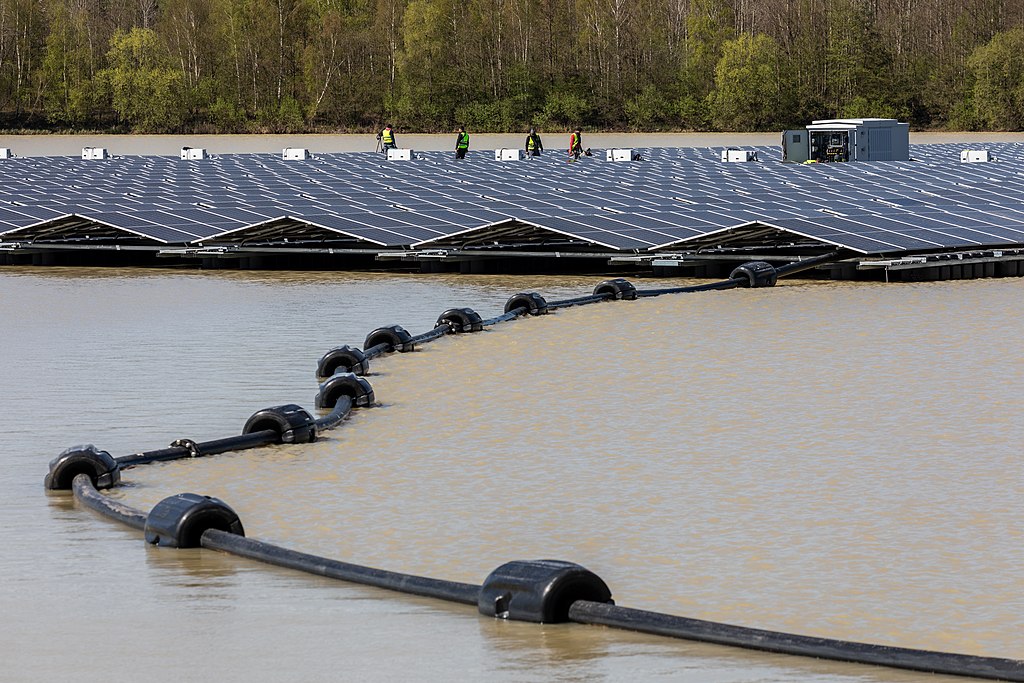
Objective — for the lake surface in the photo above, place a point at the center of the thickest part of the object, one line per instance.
(832, 459)
(71, 145)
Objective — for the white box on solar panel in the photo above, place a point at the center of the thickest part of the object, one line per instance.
(738, 155)
(399, 154)
(618, 155)
(6, 153)
(509, 154)
(295, 154)
(193, 153)
(95, 153)
(974, 156)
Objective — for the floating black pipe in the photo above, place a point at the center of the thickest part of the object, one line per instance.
(994, 668)
(807, 264)
(280, 424)
(377, 350)
(465, 593)
(580, 301)
(436, 333)
(241, 442)
(342, 408)
(711, 286)
(87, 494)
(750, 274)
(504, 317)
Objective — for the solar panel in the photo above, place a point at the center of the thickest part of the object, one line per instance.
(674, 195)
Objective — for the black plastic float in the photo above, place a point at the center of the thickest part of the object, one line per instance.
(391, 338)
(344, 358)
(460, 320)
(540, 590)
(616, 289)
(101, 467)
(357, 389)
(531, 303)
(755, 274)
(291, 423)
(179, 521)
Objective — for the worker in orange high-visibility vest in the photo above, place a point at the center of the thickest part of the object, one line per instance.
(575, 145)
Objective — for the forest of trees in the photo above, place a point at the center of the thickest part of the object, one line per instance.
(503, 65)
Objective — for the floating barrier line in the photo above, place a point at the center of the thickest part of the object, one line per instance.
(505, 317)
(579, 301)
(195, 450)
(993, 668)
(342, 409)
(532, 591)
(711, 286)
(266, 437)
(465, 593)
(87, 494)
(546, 591)
(376, 351)
(430, 336)
(807, 264)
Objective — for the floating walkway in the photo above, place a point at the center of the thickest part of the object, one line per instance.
(674, 212)
(544, 591)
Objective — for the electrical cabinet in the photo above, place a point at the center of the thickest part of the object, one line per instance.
(838, 140)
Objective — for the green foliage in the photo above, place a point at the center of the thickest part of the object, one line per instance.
(226, 116)
(261, 65)
(289, 116)
(997, 70)
(748, 92)
(859, 63)
(862, 108)
(565, 109)
(146, 94)
(649, 109)
(710, 26)
(505, 115)
(65, 69)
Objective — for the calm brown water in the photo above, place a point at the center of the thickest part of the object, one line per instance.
(839, 460)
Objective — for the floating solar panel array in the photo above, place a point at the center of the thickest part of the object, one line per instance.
(673, 200)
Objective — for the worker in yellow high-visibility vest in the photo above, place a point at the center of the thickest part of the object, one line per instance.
(533, 144)
(461, 144)
(387, 139)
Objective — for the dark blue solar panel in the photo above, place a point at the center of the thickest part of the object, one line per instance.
(874, 207)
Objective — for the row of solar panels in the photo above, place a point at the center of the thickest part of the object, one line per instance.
(933, 202)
